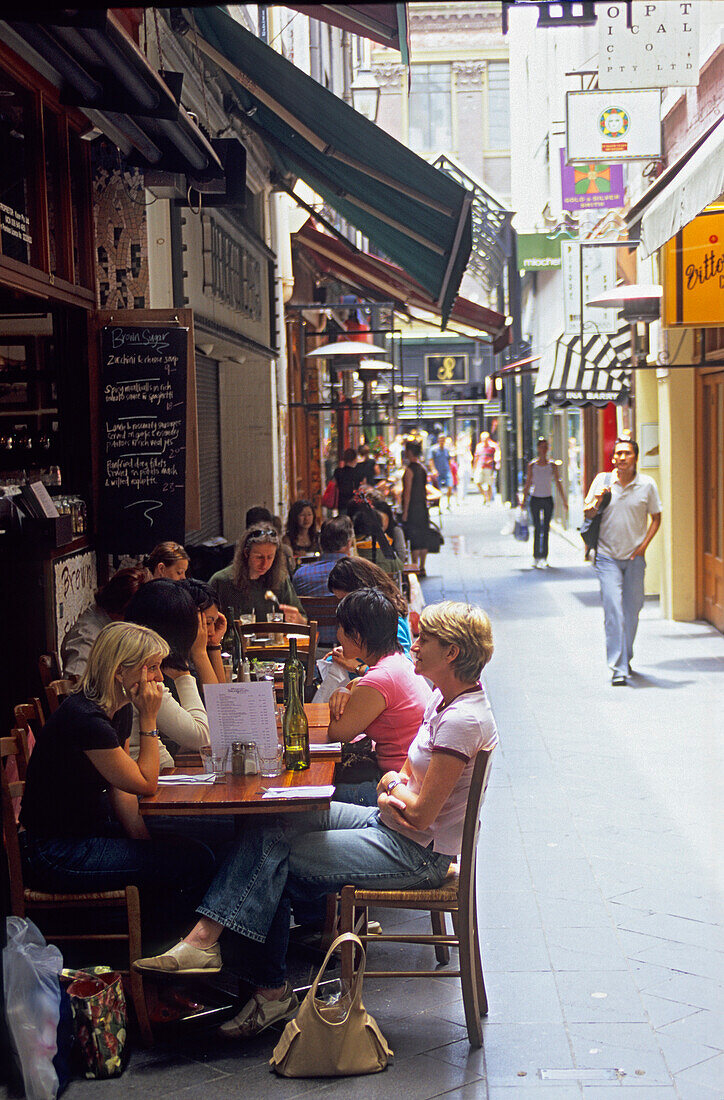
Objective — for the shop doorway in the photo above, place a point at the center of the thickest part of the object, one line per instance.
(710, 493)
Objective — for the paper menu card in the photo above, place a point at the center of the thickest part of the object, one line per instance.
(242, 712)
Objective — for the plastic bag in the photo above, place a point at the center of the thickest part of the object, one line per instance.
(521, 529)
(334, 676)
(32, 1002)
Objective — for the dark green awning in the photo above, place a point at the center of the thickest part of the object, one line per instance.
(415, 214)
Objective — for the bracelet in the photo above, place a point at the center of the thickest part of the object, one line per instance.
(148, 733)
(213, 647)
(362, 668)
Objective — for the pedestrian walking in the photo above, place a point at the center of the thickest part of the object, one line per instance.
(484, 466)
(622, 542)
(538, 493)
(440, 465)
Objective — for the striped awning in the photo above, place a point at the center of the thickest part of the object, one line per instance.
(599, 376)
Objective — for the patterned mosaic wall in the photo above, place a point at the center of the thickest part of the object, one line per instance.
(119, 210)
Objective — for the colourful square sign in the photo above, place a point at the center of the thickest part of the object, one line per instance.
(593, 186)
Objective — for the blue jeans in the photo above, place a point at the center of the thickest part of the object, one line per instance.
(295, 862)
(622, 594)
(172, 865)
(541, 509)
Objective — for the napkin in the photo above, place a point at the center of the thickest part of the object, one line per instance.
(298, 792)
(201, 777)
(325, 746)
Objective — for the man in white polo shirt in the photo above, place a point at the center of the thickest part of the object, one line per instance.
(628, 525)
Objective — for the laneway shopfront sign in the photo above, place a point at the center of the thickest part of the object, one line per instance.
(612, 126)
(592, 186)
(538, 251)
(446, 370)
(599, 275)
(659, 49)
(694, 273)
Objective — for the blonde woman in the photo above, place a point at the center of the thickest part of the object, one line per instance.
(83, 831)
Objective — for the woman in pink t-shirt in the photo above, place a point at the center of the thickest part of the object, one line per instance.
(387, 702)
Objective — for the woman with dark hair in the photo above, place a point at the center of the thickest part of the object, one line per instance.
(302, 534)
(206, 601)
(168, 608)
(168, 560)
(387, 701)
(415, 514)
(349, 574)
(258, 567)
(109, 606)
(347, 478)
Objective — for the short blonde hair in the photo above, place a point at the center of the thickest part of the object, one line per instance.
(118, 646)
(466, 627)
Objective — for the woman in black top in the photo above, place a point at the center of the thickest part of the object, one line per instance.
(83, 830)
(415, 514)
(348, 479)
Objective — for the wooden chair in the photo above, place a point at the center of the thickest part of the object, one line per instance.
(56, 692)
(36, 904)
(29, 720)
(456, 896)
(279, 652)
(322, 610)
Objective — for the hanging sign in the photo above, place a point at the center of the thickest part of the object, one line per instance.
(599, 275)
(592, 186)
(444, 370)
(613, 126)
(694, 273)
(143, 418)
(538, 252)
(659, 50)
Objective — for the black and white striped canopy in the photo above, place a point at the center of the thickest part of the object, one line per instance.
(600, 375)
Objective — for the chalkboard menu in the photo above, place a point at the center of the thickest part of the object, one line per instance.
(143, 411)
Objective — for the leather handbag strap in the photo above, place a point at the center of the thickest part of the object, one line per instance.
(346, 937)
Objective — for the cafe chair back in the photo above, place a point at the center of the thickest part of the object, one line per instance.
(45, 908)
(456, 896)
(29, 720)
(278, 648)
(321, 609)
(49, 667)
(56, 692)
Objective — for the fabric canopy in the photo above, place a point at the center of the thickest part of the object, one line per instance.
(697, 182)
(415, 214)
(383, 23)
(598, 377)
(387, 281)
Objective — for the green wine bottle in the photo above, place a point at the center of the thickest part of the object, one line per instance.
(295, 728)
(231, 644)
(293, 670)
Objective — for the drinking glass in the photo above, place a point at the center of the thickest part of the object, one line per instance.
(275, 616)
(218, 764)
(247, 618)
(271, 764)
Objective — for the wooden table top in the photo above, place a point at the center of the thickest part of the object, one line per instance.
(240, 794)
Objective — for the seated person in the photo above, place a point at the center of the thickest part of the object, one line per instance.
(335, 540)
(388, 523)
(168, 608)
(386, 702)
(205, 599)
(262, 517)
(168, 560)
(83, 830)
(348, 575)
(301, 535)
(406, 841)
(258, 567)
(372, 542)
(110, 604)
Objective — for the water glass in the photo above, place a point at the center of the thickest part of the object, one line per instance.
(271, 765)
(247, 618)
(275, 617)
(219, 758)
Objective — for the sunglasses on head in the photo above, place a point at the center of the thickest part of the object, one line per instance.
(262, 534)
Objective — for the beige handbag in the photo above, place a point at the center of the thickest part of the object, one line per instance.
(316, 1043)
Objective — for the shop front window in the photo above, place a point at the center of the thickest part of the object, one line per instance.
(15, 202)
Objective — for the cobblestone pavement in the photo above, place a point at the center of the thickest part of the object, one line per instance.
(599, 905)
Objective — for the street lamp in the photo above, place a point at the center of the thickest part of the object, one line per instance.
(366, 94)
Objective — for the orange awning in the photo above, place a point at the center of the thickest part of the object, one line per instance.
(388, 282)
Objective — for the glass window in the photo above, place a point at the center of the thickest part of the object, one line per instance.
(430, 109)
(15, 204)
(80, 206)
(498, 105)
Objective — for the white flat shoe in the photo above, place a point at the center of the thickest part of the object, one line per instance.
(182, 959)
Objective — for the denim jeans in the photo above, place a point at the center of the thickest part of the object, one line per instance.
(173, 865)
(357, 794)
(301, 860)
(541, 509)
(622, 593)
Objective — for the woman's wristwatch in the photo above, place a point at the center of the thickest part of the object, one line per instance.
(214, 647)
(362, 668)
(148, 733)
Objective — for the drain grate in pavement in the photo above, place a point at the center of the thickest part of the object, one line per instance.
(588, 1076)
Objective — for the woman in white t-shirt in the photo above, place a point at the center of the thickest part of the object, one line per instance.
(538, 491)
(406, 842)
